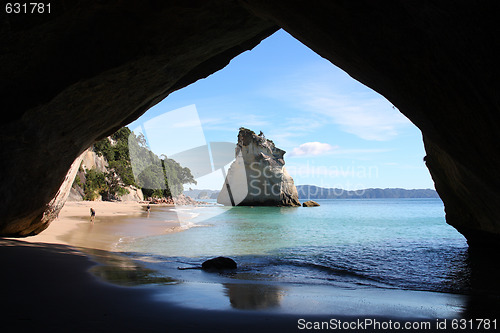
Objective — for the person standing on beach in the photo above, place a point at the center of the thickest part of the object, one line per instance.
(92, 214)
(148, 208)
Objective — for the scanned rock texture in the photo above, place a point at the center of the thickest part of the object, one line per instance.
(258, 176)
(74, 76)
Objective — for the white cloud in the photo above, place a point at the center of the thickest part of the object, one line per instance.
(312, 149)
(327, 95)
(369, 119)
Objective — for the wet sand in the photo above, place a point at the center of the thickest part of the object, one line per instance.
(113, 221)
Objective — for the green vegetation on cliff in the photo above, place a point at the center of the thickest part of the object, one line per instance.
(131, 163)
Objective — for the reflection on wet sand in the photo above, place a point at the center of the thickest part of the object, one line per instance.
(253, 296)
(107, 232)
(120, 270)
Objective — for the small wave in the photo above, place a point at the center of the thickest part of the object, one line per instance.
(321, 273)
(186, 214)
(202, 225)
(178, 228)
(183, 209)
(333, 270)
(122, 241)
(186, 225)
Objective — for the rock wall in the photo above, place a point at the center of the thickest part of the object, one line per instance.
(91, 160)
(56, 204)
(135, 194)
(472, 205)
(258, 176)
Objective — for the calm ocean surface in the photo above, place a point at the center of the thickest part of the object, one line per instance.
(388, 244)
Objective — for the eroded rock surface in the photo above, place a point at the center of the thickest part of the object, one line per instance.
(90, 67)
(258, 176)
(310, 203)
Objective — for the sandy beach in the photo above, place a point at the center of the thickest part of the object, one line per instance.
(76, 215)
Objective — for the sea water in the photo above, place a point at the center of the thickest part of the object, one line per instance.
(383, 243)
(386, 257)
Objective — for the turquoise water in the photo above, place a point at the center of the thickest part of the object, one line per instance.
(381, 243)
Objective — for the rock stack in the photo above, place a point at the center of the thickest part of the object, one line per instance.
(258, 176)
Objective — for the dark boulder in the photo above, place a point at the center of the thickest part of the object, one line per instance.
(219, 264)
(310, 203)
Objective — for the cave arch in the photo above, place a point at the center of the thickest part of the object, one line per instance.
(87, 69)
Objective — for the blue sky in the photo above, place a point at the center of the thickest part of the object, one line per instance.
(337, 132)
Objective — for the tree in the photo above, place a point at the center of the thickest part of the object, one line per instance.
(95, 184)
(132, 163)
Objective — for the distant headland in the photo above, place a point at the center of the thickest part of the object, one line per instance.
(316, 192)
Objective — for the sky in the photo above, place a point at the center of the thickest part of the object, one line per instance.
(337, 132)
